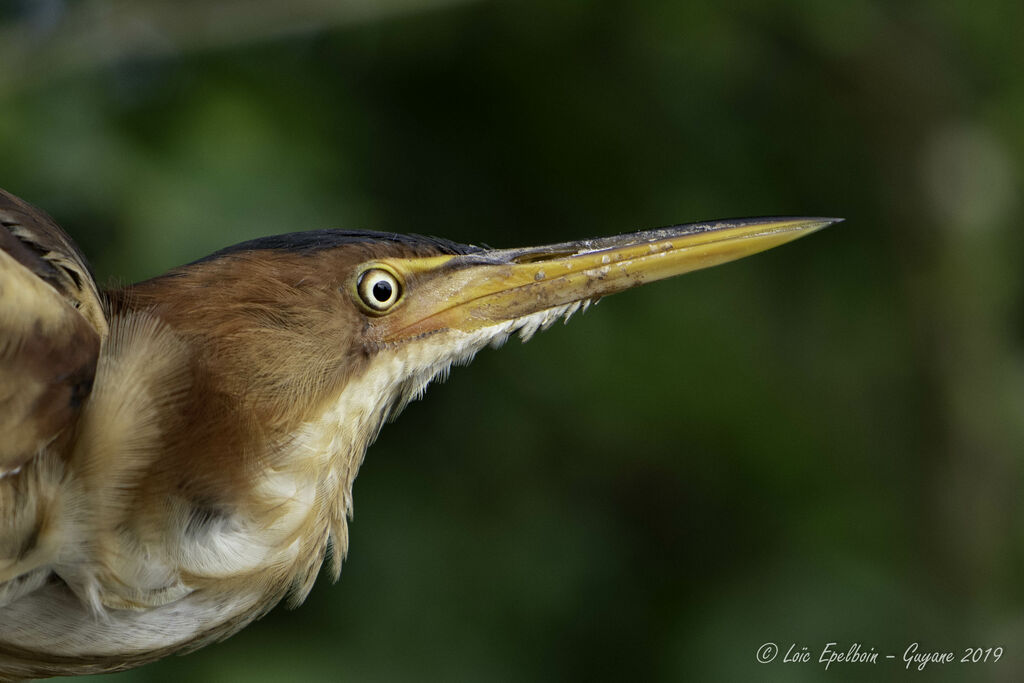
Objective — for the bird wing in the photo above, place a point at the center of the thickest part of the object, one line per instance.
(51, 324)
(87, 401)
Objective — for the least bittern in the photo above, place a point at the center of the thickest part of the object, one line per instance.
(177, 456)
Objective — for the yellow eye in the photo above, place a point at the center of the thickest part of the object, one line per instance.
(379, 289)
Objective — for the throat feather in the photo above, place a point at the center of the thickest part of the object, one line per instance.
(330, 448)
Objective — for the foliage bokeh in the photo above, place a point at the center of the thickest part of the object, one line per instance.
(821, 443)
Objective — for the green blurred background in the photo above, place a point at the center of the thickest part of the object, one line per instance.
(821, 443)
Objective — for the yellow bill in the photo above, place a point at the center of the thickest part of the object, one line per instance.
(486, 287)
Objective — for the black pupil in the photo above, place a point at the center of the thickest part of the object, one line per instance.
(382, 290)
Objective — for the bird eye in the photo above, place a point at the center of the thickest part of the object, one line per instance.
(378, 289)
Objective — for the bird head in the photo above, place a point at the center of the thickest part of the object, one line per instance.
(291, 322)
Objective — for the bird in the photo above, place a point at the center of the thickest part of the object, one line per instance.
(177, 456)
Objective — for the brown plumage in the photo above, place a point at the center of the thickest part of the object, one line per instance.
(177, 456)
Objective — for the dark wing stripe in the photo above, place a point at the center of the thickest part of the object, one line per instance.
(38, 243)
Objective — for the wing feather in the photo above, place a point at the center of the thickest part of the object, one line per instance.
(51, 324)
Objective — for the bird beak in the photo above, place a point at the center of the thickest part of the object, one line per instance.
(471, 291)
